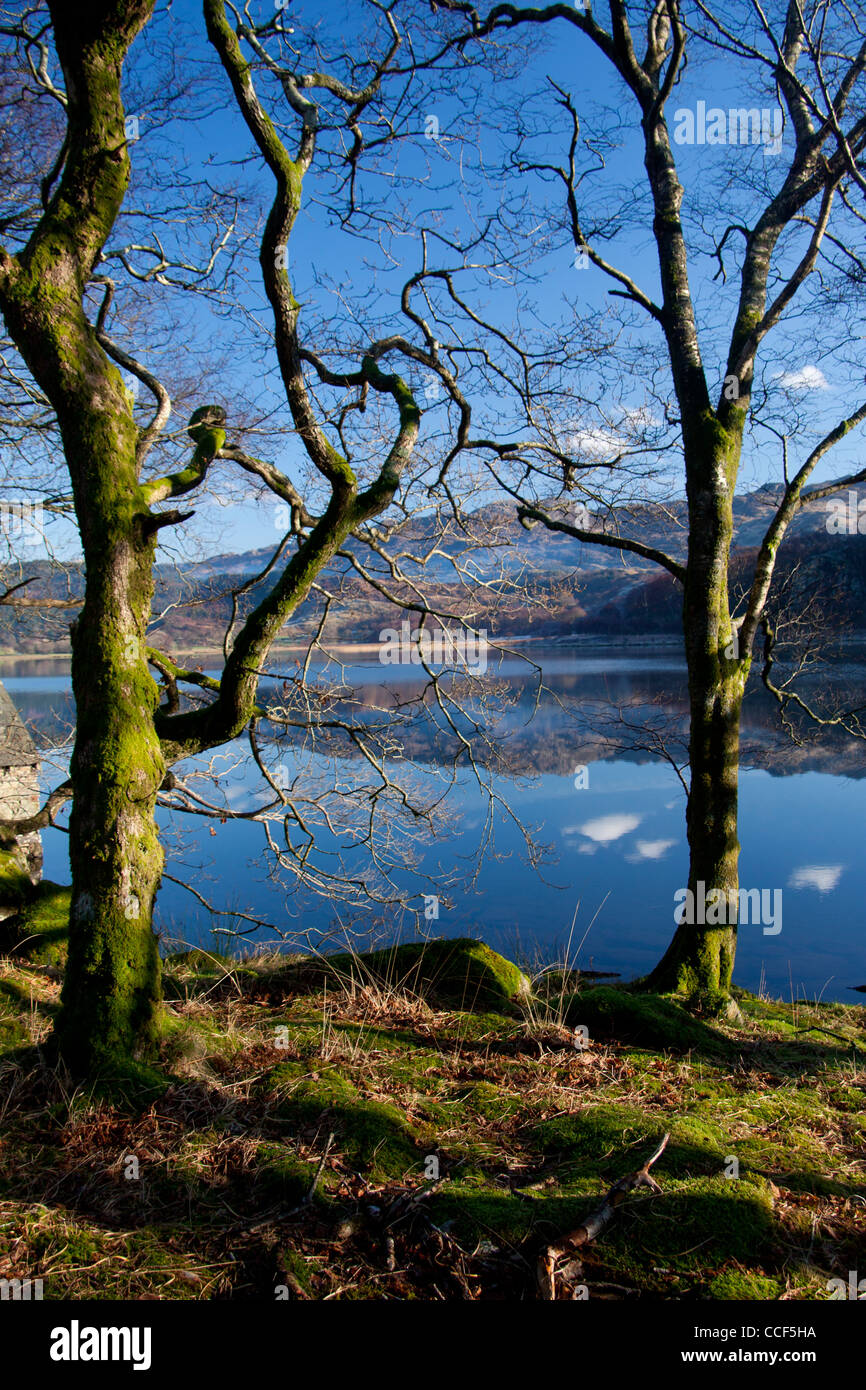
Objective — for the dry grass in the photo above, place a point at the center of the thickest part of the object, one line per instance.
(292, 1144)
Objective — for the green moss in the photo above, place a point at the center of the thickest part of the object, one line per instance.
(13, 1030)
(191, 1042)
(475, 1211)
(696, 1223)
(321, 1090)
(82, 1246)
(529, 1135)
(40, 932)
(83, 1263)
(196, 971)
(129, 1085)
(482, 1099)
(697, 1146)
(15, 883)
(202, 962)
(13, 992)
(588, 1138)
(372, 1133)
(281, 1175)
(292, 1262)
(647, 1020)
(740, 1283)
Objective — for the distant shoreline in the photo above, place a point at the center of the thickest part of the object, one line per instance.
(632, 640)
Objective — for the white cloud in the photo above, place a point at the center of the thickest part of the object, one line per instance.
(601, 443)
(595, 444)
(653, 849)
(606, 829)
(824, 877)
(805, 379)
(639, 417)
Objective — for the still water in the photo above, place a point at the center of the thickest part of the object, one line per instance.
(589, 771)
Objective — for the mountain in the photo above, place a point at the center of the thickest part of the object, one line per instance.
(565, 586)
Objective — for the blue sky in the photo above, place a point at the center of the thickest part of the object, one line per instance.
(327, 263)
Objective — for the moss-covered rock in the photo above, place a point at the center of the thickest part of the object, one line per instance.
(372, 1133)
(197, 969)
(40, 930)
(587, 1139)
(16, 884)
(454, 974)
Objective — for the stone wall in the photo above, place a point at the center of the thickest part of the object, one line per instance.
(21, 859)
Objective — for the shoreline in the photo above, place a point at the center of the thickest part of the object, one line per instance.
(622, 641)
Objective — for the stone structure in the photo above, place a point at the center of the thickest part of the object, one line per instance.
(19, 796)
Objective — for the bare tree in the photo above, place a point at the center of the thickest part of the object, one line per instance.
(57, 292)
(796, 219)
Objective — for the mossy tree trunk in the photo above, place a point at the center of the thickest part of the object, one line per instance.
(112, 981)
(701, 956)
(111, 987)
(123, 743)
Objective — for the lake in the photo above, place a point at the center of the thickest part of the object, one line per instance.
(583, 771)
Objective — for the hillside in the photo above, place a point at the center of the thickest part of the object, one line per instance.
(566, 587)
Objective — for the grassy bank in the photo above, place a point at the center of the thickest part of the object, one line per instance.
(287, 1144)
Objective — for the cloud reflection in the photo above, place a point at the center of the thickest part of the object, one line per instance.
(824, 877)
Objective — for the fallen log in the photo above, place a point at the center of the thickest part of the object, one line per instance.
(594, 1224)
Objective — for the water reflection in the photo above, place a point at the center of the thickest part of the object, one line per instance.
(617, 835)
